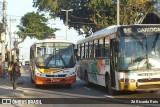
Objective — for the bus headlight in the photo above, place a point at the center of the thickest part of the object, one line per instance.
(129, 80)
(66, 72)
(39, 73)
(69, 73)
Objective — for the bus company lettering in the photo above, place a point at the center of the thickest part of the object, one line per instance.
(127, 30)
(152, 29)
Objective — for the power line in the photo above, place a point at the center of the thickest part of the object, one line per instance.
(14, 15)
(82, 23)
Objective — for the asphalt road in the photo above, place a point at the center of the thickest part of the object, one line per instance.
(81, 95)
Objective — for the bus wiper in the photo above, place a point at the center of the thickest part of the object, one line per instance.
(50, 57)
(155, 41)
(137, 39)
(63, 60)
(147, 56)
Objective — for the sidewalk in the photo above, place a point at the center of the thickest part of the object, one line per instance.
(6, 89)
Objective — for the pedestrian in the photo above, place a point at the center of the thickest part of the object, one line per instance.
(16, 74)
(10, 68)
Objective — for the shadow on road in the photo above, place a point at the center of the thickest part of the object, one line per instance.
(80, 88)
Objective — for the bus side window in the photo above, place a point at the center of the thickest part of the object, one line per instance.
(106, 47)
(82, 51)
(96, 52)
(91, 49)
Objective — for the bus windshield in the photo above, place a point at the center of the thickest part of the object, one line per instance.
(55, 55)
(139, 51)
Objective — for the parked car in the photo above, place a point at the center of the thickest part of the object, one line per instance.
(26, 63)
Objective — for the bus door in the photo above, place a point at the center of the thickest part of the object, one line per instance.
(113, 61)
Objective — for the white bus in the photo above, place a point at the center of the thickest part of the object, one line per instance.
(121, 58)
(52, 61)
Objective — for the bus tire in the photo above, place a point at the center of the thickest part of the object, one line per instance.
(86, 79)
(154, 91)
(32, 79)
(110, 91)
(37, 86)
(68, 85)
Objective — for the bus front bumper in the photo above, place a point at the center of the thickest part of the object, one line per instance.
(44, 80)
(137, 86)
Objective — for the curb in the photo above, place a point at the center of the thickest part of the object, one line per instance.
(7, 91)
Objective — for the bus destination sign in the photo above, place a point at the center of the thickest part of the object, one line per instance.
(141, 30)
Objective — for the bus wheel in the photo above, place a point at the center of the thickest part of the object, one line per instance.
(68, 85)
(38, 86)
(32, 79)
(86, 79)
(109, 88)
(154, 91)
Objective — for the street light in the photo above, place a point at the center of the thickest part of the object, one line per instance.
(66, 19)
(117, 12)
(11, 20)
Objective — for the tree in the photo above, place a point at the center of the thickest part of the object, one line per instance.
(87, 16)
(133, 10)
(34, 25)
(103, 13)
(91, 15)
(1, 29)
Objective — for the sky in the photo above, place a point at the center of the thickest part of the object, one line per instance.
(17, 8)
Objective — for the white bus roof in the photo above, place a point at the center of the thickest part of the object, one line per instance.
(108, 31)
(53, 40)
(48, 40)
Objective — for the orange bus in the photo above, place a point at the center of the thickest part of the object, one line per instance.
(52, 61)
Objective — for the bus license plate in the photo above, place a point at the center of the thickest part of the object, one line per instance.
(54, 80)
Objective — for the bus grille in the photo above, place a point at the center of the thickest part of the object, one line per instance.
(154, 86)
(149, 80)
(59, 75)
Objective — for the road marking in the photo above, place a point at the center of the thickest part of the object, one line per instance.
(109, 96)
(87, 88)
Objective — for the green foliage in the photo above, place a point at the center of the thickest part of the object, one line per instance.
(131, 11)
(1, 28)
(34, 25)
(91, 15)
(87, 16)
(103, 13)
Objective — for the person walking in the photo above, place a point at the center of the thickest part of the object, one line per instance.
(16, 74)
(10, 69)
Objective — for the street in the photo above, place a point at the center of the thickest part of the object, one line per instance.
(80, 95)
(109, 44)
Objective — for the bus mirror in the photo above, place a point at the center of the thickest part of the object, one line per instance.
(78, 58)
(117, 46)
(75, 50)
(76, 54)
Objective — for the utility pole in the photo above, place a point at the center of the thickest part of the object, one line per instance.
(3, 35)
(117, 12)
(10, 55)
(66, 19)
(15, 47)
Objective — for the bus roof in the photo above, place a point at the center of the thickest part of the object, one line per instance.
(108, 31)
(53, 40)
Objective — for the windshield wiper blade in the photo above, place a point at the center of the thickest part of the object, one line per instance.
(137, 39)
(50, 57)
(63, 61)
